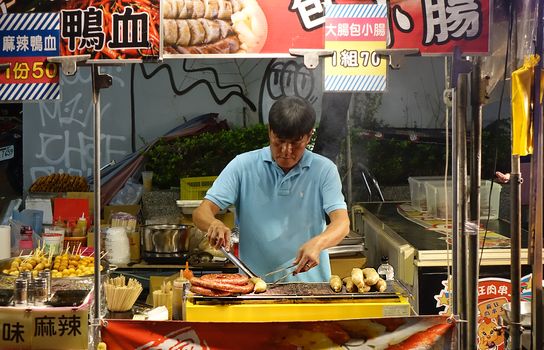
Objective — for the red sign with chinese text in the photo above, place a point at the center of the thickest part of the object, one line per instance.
(117, 29)
(437, 27)
(493, 293)
(111, 29)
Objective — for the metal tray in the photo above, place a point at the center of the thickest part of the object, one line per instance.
(300, 292)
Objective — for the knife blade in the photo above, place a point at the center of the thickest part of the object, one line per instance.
(239, 264)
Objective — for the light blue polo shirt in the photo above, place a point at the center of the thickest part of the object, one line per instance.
(278, 212)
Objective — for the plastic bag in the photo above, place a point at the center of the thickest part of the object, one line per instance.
(130, 194)
(16, 237)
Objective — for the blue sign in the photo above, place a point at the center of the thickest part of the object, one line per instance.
(27, 39)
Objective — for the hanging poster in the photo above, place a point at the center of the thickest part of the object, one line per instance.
(493, 293)
(27, 40)
(354, 33)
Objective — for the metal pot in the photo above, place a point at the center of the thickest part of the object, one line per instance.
(166, 240)
(524, 311)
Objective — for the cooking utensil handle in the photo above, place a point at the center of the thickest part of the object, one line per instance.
(239, 264)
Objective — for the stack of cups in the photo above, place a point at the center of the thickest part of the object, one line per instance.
(5, 241)
(117, 246)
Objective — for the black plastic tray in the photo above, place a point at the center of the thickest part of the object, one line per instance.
(70, 297)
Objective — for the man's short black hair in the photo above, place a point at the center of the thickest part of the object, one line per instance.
(291, 118)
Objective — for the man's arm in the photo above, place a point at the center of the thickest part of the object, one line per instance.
(308, 253)
(217, 232)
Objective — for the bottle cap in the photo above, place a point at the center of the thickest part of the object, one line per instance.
(385, 259)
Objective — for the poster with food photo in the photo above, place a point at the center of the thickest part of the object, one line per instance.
(111, 29)
(243, 27)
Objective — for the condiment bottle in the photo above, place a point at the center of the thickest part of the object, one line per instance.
(385, 270)
(179, 292)
(81, 226)
(46, 274)
(21, 291)
(40, 291)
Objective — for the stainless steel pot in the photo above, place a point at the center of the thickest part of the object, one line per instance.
(165, 239)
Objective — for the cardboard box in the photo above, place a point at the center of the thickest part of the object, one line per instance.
(86, 195)
(342, 265)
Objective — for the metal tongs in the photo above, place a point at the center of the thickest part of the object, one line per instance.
(239, 264)
(281, 270)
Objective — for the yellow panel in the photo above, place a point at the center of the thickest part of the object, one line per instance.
(278, 312)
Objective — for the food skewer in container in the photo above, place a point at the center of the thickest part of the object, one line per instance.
(120, 297)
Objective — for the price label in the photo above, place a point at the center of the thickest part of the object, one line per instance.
(354, 33)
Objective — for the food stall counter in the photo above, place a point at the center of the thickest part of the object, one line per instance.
(298, 302)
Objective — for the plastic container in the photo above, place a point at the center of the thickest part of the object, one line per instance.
(195, 187)
(53, 238)
(117, 246)
(488, 207)
(418, 195)
(436, 200)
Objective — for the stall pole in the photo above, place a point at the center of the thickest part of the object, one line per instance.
(450, 100)
(460, 206)
(536, 208)
(515, 217)
(349, 158)
(472, 234)
(99, 81)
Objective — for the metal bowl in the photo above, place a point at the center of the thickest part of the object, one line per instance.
(524, 310)
(165, 239)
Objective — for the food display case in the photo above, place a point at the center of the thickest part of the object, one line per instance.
(417, 249)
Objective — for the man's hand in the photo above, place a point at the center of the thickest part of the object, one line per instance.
(308, 255)
(218, 235)
(502, 178)
(204, 218)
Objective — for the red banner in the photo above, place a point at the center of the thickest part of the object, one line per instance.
(122, 29)
(391, 333)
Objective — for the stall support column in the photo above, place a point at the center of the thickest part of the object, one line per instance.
(477, 92)
(536, 205)
(99, 81)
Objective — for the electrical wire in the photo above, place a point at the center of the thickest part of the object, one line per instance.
(508, 43)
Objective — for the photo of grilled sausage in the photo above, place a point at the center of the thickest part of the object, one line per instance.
(213, 26)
